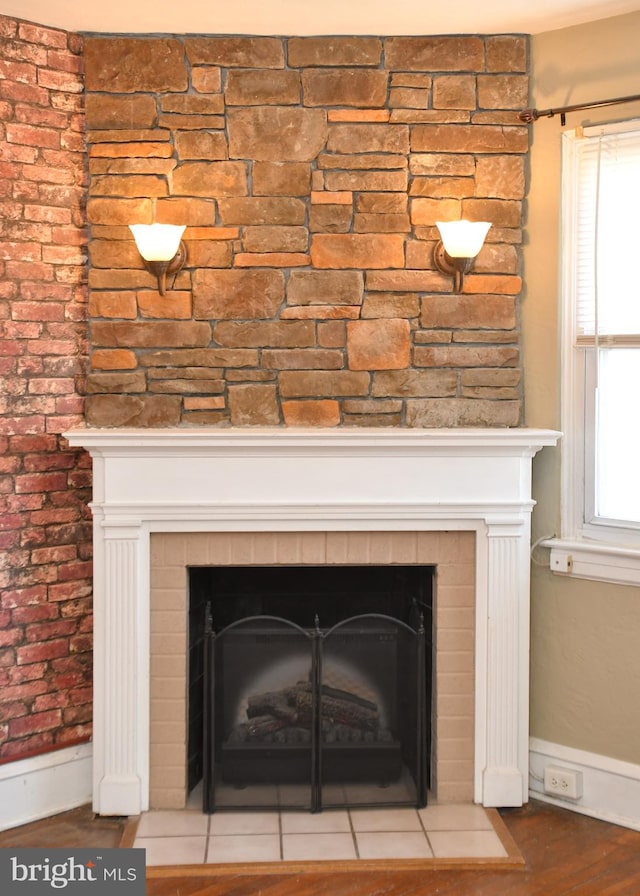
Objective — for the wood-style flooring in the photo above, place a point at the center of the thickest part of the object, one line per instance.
(566, 854)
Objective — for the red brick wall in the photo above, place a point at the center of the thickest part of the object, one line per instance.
(45, 537)
(310, 173)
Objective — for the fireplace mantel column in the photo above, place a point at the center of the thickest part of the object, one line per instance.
(505, 780)
(121, 676)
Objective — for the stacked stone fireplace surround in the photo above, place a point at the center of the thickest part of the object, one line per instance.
(310, 173)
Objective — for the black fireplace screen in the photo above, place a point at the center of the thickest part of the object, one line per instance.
(315, 717)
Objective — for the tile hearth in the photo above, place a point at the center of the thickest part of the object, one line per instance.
(444, 832)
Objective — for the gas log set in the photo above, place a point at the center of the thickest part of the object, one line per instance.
(286, 717)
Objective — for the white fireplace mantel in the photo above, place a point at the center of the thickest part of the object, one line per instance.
(262, 479)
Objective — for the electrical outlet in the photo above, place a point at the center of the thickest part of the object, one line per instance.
(563, 782)
(560, 561)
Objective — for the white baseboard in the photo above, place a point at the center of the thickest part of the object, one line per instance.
(44, 785)
(610, 788)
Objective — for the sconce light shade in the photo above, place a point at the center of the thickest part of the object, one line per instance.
(161, 248)
(460, 242)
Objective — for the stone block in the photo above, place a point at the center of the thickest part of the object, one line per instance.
(302, 359)
(146, 334)
(323, 383)
(235, 52)
(415, 383)
(253, 87)
(502, 177)
(113, 359)
(356, 161)
(322, 412)
(236, 294)
(206, 78)
(454, 412)
(134, 65)
(434, 54)
(262, 210)
(104, 111)
(271, 259)
(344, 87)
(390, 223)
(132, 410)
(219, 179)
(391, 181)
(378, 344)
(503, 91)
(201, 145)
(253, 405)
(281, 178)
(507, 53)
(334, 51)
(465, 356)
(266, 334)
(442, 164)
(477, 311)
(276, 133)
(330, 218)
(363, 138)
(115, 382)
(357, 250)
(322, 287)
(266, 238)
(454, 92)
(469, 138)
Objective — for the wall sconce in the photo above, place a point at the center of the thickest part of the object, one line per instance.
(459, 243)
(162, 249)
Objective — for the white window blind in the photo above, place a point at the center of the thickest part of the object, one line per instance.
(607, 192)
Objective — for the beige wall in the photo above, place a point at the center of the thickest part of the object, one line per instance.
(585, 656)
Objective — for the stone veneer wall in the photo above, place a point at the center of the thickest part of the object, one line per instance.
(453, 554)
(310, 173)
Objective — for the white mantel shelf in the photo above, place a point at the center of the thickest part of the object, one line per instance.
(264, 479)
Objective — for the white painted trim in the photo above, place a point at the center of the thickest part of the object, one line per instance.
(599, 562)
(611, 788)
(44, 785)
(274, 479)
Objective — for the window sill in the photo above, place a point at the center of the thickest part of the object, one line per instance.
(595, 561)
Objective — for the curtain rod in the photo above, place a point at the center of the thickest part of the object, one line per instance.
(529, 115)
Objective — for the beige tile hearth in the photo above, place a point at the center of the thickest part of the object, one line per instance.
(459, 834)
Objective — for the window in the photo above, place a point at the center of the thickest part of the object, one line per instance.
(601, 347)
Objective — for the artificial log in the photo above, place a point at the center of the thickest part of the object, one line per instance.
(345, 716)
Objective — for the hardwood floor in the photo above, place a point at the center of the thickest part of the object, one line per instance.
(566, 855)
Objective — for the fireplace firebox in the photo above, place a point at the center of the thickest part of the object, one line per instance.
(315, 685)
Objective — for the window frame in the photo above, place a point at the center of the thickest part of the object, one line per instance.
(588, 547)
